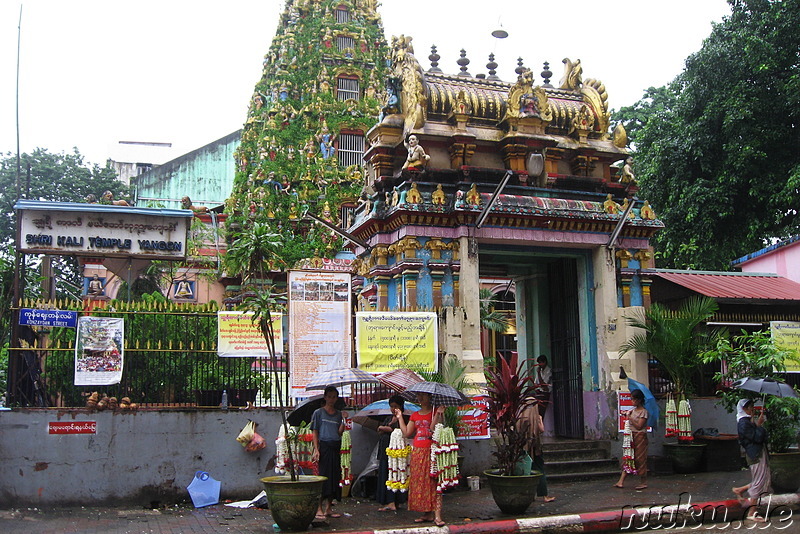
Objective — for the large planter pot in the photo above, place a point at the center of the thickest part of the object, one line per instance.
(785, 471)
(240, 397)
(722, 453)
(512, 494)
(293, 503)
(208, 397)
(686, 458)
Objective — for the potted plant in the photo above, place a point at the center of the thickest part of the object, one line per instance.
(675, 339)
(254, 253)
(509, 394)
(755, 355)
(208, 384)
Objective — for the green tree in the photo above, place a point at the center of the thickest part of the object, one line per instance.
(674, 338)
(717, 149)
(47, 176)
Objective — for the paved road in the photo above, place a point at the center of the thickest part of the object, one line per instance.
(463, 510)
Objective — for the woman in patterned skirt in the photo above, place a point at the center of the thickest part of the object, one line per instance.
(422, 494)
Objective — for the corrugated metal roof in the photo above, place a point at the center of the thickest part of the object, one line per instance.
(735, 285)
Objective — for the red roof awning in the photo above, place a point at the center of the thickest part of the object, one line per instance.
(735, 285)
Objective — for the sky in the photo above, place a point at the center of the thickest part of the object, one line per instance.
(96, 72)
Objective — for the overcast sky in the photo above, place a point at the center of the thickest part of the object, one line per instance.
(96, 72)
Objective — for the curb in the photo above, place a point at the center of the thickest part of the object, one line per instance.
(777, 508)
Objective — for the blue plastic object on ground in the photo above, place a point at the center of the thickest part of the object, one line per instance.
(203, 490)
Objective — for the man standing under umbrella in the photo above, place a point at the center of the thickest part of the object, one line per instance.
(327, 425)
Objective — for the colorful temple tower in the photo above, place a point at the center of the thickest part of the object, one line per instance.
(472, 178)
(303, 140)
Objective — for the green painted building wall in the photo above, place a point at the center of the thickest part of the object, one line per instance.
(204, 175)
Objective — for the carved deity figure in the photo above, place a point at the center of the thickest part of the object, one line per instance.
(95, 288)
(438, 197)
(627, 176)
(417, 157)
(473, 197)
(609, 206)
(413, 196)
(325, 139)
(183, 289)
(646, 212)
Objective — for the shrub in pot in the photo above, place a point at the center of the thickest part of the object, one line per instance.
(676, 340)
(509, 394)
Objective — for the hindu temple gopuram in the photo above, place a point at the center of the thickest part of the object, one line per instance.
(452, 183)
(469, 179)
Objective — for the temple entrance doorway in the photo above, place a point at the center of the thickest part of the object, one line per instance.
(551, 318)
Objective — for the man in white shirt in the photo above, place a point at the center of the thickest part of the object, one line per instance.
(543, 380)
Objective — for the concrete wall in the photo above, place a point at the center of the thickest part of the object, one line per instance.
(146, 456)
(705, 414)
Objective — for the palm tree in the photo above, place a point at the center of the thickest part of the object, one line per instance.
(491, 318)
(672, 337)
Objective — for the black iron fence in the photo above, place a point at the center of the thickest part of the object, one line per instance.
(170, 360)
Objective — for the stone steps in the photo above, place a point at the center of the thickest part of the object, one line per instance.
(569, 459)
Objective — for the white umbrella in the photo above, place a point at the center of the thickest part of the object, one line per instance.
(340, 377)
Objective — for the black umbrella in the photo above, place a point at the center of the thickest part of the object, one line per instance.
(441, 394)
(768, 386)
(304, 410)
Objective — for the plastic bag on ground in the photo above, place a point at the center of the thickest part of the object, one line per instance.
(203, 490)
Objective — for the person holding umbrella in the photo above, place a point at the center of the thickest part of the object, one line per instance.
(422, 494)
(327, 424)
(390, 500)
(753, 439)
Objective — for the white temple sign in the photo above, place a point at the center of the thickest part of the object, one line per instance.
(66, 228)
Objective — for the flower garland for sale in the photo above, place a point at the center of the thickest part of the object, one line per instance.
(399, 455)
(672, 419)
(628, 464)
(347, 475)
(301, 440)
(444, 457)
(685, 421)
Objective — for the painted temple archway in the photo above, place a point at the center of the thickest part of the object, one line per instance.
(554, 317)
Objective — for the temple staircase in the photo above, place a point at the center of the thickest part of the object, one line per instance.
(575, 459)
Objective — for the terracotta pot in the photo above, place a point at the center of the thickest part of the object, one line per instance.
(293, 504)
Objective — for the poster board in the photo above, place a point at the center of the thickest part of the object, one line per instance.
(238, 336)
(388, 340)
(474, 422)
(786, 335)
(319, 325)
(99, 351)
(624, 405)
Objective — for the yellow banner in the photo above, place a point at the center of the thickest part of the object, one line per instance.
(389, 340)
(786, 335)
(239, 336)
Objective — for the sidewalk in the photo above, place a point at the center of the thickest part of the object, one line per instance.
(591, 505)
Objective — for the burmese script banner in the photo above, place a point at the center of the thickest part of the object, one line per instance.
(238, 336)
(99, 351)
(319, 326)
(786, 335)
(388, 340)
